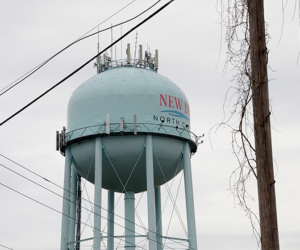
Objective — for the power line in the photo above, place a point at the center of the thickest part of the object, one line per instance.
(53, 209)
(29, 73)
(6, 247)
(91, 211)
(86, 63)
(43, 204)
(46, 61)
(42, 64)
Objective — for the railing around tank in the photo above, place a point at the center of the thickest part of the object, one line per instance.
(131, 127)
(133, 63)
(115, 129)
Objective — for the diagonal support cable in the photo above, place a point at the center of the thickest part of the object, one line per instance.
(91, 204)
(171, 197)
(124, 186)
(173, 209)
(175, 173)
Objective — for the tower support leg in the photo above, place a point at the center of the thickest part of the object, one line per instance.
(158, 219)
(111, 219)
(189, 197)
(73, 195)
(150, 194)
(129, 220)
(98, 192)
(66, 202)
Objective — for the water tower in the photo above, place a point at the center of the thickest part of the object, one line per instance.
(127, 129)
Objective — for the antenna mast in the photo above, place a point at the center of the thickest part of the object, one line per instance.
(121, 43)
(98, 49)
(141, 55)
(115, 53)
(135, 45)
(111, 49)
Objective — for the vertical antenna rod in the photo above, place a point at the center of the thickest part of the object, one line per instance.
(111, 48)
(104, 60)
(128, 53)
(98, 58)
(121, 44)
(141, 54)
(135, 44)
(116, 53)
(156, 59)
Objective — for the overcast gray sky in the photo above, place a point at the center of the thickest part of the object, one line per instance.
(188, 37)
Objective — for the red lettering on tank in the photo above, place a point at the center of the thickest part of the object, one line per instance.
(178, 102)
(163, 99)
(186, 108)
(171, 101)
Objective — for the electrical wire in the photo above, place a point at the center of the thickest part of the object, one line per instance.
(6, 247)
(71, 202)
(91, 211)
(43, 63)
(86, 63)
(29, 73)
(41, 203)
(85, 224)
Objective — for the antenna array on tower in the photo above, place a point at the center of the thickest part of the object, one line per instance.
(148, 62)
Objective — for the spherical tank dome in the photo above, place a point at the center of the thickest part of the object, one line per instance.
(161, 109)
(123, 92)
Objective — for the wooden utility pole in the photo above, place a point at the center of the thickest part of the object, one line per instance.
(262, 127)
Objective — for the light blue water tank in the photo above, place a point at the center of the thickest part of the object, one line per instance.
(161, 109)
